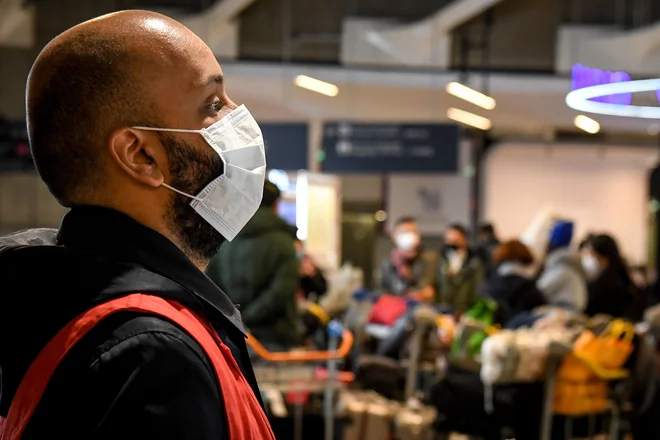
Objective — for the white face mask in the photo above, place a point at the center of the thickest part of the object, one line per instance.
(406, 241)
(590, 265)
(230, 200)
(455, 262)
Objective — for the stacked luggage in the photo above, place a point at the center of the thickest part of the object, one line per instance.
(495, 383)
(373, 417)
(572, 366)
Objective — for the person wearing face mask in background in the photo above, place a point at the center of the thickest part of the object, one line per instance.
(313, 284)
(562, 279)
(121, 335)
(408, 271)
(611, 289)
(259, 272)
(460, 272)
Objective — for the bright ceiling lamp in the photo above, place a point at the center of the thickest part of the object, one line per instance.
(316, 85)
(468, 118)
(587, 124)
(581, 99)
(470, 95)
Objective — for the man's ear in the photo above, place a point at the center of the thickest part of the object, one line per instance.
(139, 154)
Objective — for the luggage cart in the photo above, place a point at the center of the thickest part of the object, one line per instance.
(374, 416)
(424, 319)
(557, 352)
(614, 409)
(300, 373)
(415, 420)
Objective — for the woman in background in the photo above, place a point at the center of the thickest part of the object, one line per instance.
(512, 286)
(611, 288)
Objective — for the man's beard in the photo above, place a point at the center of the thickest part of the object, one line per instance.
(191, 172)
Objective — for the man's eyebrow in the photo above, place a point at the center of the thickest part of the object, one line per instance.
(215, 79)
(210, 80)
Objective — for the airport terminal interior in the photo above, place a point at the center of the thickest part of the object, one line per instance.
(468, 190)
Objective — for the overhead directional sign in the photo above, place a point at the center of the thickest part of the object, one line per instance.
(286, 146)
(390, 148)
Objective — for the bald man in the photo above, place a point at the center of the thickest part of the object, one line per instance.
(131, 127)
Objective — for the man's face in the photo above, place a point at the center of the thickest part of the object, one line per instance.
(192, 96)
(455, 239)
(406, 238)
(191, 172)
(406, 227)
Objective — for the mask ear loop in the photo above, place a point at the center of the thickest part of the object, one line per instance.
(185, 194)
(171, 130)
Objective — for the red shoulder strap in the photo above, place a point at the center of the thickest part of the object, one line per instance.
(246, 419)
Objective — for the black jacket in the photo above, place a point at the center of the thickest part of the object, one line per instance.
(134, 376)
(514, 294)
(609, 294)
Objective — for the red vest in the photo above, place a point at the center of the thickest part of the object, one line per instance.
(246, 419)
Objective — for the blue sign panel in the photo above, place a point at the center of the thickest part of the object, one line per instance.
(286, 146)
(390, 148)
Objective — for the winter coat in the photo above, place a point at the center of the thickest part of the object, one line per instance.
(258, 270)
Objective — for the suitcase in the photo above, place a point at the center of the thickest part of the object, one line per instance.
(371, 415)
(382, 375)
(415, 422)
(459, 401)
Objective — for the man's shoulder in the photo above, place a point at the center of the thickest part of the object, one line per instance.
(30, 237)
(129, 337)
(126, 366)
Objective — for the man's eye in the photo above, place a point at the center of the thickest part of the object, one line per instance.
(216, 106)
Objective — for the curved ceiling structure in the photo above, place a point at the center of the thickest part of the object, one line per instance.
(610, 48)
(424, 43)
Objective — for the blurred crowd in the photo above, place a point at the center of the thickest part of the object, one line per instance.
(267, 272)
(592, 278)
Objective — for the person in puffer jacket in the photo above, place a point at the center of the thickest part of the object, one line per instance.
(512, 286)
(562, 280)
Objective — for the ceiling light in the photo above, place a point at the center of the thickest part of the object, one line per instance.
(470, 95)
(582, 99)
(316, 85)
(468, 118)
(380, 216)
(587, 124)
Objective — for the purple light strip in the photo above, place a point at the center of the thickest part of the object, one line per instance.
(583, 76)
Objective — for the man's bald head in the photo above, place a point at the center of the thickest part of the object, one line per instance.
(90, 80)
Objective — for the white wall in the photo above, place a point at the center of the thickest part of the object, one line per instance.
(436, 201)
(603, 189)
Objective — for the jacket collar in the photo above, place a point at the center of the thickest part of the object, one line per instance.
(510, 268)
(119, 237)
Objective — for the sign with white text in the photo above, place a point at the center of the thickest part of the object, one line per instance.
(390, 148)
